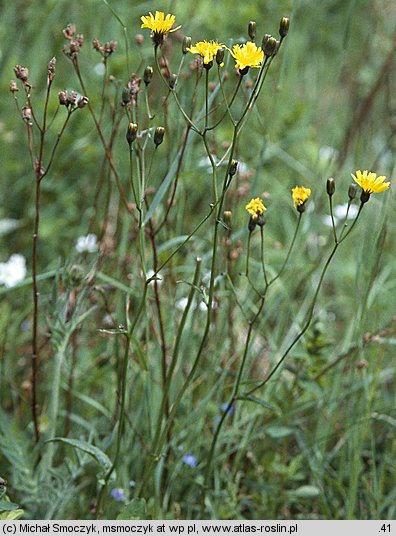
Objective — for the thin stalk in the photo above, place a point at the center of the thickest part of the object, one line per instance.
(289, 251)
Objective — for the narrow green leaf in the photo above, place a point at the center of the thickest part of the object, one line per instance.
(256, 400)
(98, 455)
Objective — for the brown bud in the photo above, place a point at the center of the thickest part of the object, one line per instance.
(82, 102)
(63, 98)
(22, 73)
(13, 86)
(139, 39)
(51, 69)
(96, 44)
(26, 113)
(159, 135)
(284, 27)
(73, 98)
(69, 31)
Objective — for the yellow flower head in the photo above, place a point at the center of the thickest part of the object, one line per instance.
(300, 195)
(247, 55)
(160, 25)
(206, 49)
(370, 183)
(256, 207)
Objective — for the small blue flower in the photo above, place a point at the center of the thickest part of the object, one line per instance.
(230, 410)
(190, 460)
(118, 494)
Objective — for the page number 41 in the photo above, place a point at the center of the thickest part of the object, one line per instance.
(385, 528)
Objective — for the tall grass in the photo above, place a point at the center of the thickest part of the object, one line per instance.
(196, 360)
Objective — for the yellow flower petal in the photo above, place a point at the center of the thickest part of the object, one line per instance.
(300, 195)
(247, 55)
(256, 207)
(206, 49)
(369, 182)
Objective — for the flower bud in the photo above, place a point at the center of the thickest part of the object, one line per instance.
(186, 44)
(252, 29)
(284, 27)
(172, 81)
(301, 208)
(131, 133)
(159, 136)
(227, 217)
(352, 191)
(51, 69)
(364, 197)
(233, 168)
(26, 113)
(270, 46)
(22, 73)
(220, 56)
(253, 222)
(265, 39)
(13, 86)
(63, 98)
(73, 98)
(262, 220)
(125, 96)
(148, 74)
(330, 186)
(82, 102)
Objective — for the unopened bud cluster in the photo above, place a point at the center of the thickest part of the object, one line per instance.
(76, 41)
(131, 91)
(72, 99)
(105, 50)
(51, 70)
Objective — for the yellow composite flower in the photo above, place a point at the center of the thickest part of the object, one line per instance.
(159, 24)
(300, 195)
(206, 49)
(370, 183)
(256, 207)
(247, 55)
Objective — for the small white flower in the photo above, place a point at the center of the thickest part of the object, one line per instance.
(341, 210)
(100, 69)
(13, 271)
(339, 213)
(87, 244)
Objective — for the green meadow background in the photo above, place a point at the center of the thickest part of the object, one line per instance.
(324, 447)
